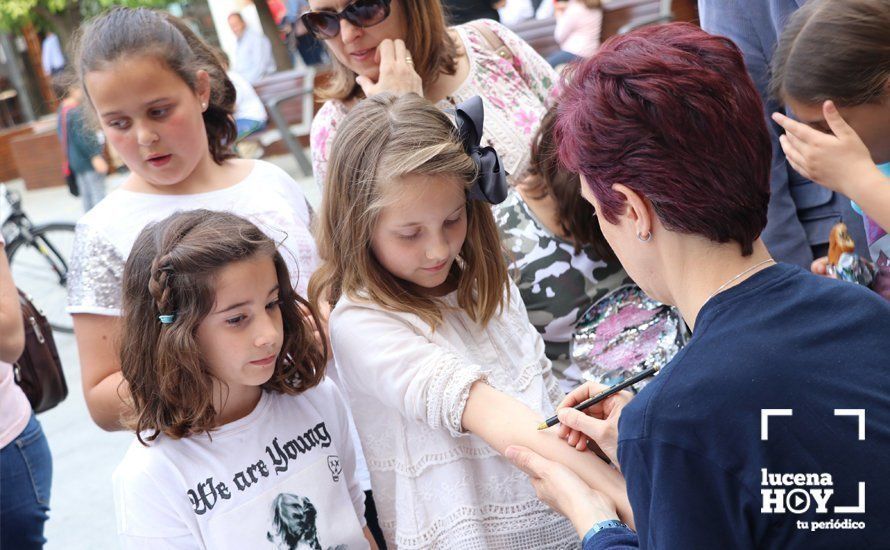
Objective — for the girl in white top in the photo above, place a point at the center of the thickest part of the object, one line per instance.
(240, 440)
(441, 366)
(163, 101)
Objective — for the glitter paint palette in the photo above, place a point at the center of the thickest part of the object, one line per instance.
(625, 333)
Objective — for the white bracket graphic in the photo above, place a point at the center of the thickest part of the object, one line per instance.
(854, 412)
(859, 508)
(764, 420)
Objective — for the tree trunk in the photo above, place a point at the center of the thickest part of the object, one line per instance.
(279, 50)
(64, 24)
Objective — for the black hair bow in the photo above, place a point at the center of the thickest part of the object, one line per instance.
(491, 180)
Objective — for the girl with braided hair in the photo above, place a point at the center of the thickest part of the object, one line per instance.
(162, 98)
(227, 395)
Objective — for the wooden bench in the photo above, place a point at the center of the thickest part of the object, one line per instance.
(37, 154)
(8, 168)
(288, 97)
(539, 34)
(38, 157)
(621, 16)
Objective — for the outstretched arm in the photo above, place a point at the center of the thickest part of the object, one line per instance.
(503, 421)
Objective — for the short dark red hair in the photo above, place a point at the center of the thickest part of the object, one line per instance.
(670, 112)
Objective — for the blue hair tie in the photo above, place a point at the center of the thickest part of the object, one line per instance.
(167, 319)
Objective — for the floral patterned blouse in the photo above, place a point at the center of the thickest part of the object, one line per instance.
(516, 93)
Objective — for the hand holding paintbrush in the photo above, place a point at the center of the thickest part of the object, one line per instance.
(591, 411)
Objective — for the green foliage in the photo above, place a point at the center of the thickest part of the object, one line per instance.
(52, 14)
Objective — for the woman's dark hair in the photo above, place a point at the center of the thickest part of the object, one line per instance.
(834, 49)
(172, 270)
(670, 112)
(545, 177)
(123, 32)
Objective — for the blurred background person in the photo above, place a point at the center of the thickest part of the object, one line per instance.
(801, 213)
(578, 27)
(253, 54)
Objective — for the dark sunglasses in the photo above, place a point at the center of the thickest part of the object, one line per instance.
(361, 13)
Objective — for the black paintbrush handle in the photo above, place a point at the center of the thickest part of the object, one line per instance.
(554, 420)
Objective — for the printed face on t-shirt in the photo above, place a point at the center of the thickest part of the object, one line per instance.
(241, 337)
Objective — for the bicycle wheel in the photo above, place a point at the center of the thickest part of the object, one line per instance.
(40, 268)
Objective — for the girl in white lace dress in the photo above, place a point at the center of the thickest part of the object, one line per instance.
(441, 366)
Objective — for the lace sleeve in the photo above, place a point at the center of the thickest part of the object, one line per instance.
(554, 392)
(94, 280)
(551, 385)
(448, 391)
(384, 356)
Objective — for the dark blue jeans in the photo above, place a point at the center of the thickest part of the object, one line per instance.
(559, 57)
(26, 475)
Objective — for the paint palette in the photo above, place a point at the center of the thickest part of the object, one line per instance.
(625, 333)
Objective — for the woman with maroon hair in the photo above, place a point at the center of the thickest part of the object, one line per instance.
(666, 130)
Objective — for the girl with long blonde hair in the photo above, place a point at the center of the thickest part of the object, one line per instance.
(442, 368)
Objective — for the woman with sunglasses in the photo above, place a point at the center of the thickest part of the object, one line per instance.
(405, 46)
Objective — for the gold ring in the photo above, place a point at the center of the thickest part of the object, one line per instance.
(409, 61)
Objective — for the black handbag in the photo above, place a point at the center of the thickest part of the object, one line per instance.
(39, 371)
(71, 180)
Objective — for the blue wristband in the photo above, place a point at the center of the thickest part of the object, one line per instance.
(597, 527)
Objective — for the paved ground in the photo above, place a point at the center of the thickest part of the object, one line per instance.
(84, 456)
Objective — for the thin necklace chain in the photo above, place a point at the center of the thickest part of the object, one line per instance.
(753, 267)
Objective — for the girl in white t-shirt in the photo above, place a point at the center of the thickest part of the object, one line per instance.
(240, 439)
(163, 101)
(441, 366)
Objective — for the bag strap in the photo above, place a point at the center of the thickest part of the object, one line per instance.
(63, 134)
(494, 41)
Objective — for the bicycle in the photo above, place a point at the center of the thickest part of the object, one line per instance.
(38, 257)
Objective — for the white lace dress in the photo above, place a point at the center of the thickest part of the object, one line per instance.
(434, 485)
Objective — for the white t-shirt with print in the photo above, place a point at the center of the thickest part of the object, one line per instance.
(281, 477)
(268, 197)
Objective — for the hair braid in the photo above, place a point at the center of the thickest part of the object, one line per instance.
(162, 267)
(159, 283)
(172, 269)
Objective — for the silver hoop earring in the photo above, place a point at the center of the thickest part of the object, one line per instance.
(647, 239)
